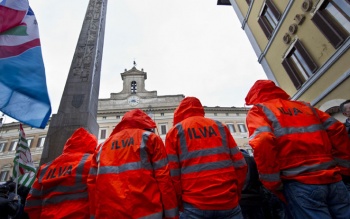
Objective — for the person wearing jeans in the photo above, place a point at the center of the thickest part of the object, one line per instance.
(301, 153)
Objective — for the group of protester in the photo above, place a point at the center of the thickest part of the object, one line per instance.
(301, 157)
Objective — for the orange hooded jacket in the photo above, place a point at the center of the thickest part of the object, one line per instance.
(294, 141)
(60, 187)
(131, 176)
(206, 166)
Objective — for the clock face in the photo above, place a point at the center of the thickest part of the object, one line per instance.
(133, 100)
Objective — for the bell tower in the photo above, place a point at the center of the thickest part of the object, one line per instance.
(79, 102)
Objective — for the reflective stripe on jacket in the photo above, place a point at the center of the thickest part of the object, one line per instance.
(294, 141)
(60, 188)
(207, 168)
(130, 177)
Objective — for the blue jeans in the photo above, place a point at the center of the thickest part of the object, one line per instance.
(191, 212)
(317, 201)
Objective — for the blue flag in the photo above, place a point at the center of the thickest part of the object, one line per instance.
(23, 90)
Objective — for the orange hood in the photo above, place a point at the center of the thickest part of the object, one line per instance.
(264, 90)
(190, 106)
(135, 119)
(80, 141)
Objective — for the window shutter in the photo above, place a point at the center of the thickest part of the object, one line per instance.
(290, 71)
(274, 9)
(335, 37)
(309, 61)
(265, 27)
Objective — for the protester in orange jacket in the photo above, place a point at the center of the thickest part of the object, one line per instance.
(207, 168)
(131, 177)
(301, 152)
(60, 187)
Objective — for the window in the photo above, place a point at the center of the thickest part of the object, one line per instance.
(215, 114)
(333, 20)
(269, 18)
(163, 129)
(162, 114)
(13, 145)
(103, 133)
(41, 142)
(299, 64)
(2, 146)
(3, 175)
(242, 128)
(133, 87)
(227, 114)
(29, 142)
(104, 117)
(117, 117)
(231, 127)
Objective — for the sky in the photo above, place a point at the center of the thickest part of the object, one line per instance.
(190, 47)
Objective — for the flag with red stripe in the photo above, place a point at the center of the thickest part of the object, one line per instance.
(24, 94)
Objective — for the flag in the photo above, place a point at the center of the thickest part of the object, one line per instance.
(23, 169)
(23, 90)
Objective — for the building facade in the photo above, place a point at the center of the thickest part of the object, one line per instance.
(110, 112)
(302, 45)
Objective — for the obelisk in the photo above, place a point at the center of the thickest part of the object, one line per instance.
(78, 106)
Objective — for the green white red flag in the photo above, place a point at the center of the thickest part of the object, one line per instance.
(24, 170)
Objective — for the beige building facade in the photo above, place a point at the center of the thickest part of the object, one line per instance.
(111, 111)
(302, 45)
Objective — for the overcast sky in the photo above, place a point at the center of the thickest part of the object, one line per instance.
(191, 47)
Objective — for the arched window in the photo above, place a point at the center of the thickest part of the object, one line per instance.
(133, 87)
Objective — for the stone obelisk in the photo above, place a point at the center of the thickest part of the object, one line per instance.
(78, 107)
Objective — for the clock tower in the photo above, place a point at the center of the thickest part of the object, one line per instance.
(134, 81)
(134, 93)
